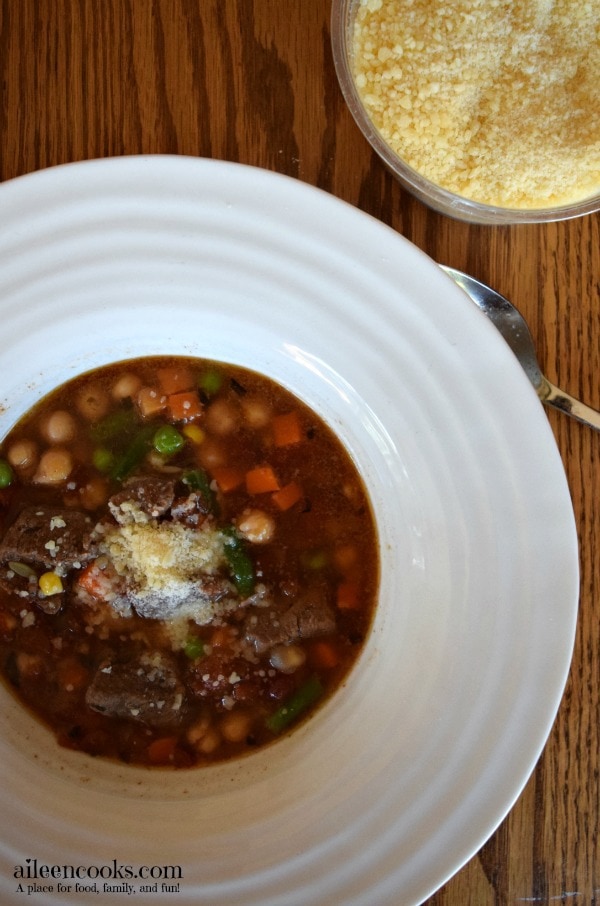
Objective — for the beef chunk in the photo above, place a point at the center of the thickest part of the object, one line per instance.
(200, 599)
(222, 675)
(147, 690)
(219, 674)
(191, 510)
(47, 537)
(310, 615)
(142, 499)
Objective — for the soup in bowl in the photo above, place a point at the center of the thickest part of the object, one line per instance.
(188, 561)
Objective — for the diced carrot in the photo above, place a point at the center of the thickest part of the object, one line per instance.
(261, 480)
(288, 495)
(71, 674)
(348, 595)
(220, 637)
(87, 579)
(286, 429)
(175, 379)
(345, 556)
(93, 580)
(184, 406)
(162, 750)
(8, 623)
(324, 654)
(228, 478)
(150, 401)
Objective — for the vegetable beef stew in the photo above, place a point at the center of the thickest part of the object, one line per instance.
(188, 561)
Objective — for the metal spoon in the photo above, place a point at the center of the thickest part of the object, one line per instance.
(513, 328)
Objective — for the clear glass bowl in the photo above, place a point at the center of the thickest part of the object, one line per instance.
(440, 199)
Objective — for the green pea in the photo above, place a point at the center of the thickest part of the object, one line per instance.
(103, 459)
(6, 474)
(194, 648)
(315, 559)
(211, 382)
(168, 440)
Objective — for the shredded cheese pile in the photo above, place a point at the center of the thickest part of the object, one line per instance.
(495, 100)
(164, 565)
(159, 557)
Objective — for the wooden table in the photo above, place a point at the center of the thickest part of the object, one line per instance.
(253, 81)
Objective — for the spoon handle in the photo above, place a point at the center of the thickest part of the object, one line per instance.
(552, 396)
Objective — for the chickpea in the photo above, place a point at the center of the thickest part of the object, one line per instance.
(256, 412)
(59, 427)
(212, 454)
(23, 454)
(203, 736)
(221, 417)
(126, 386)
(198, 730)
(352, 493)
(92, 402)
(235, 726)
(55, 465)
(287, 658)
(256, 526)
(210, 742)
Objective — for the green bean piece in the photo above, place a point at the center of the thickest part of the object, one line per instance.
(240, 565)
(114, 425)
(297, 704)
(6, 474)
(168, 440)
(198, 480)
(133, 453)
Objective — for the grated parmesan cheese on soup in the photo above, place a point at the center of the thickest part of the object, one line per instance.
(164, 564)
(155, 556)
(495, 100)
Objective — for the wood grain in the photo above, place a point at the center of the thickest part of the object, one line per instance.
(253, 81)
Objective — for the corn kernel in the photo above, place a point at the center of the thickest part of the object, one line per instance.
(50, 584)
(194, 433)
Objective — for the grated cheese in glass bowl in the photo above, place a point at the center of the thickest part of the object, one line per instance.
(486, 110)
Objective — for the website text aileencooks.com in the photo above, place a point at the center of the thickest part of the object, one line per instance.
(111, 873)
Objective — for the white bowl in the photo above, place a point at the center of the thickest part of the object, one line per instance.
(403, 775)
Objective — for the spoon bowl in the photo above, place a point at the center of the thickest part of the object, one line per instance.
(515, 331)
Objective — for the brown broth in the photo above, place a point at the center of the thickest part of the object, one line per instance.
(273, 546)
